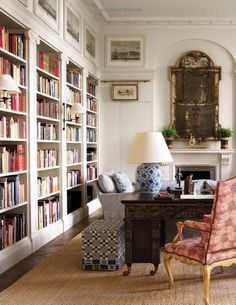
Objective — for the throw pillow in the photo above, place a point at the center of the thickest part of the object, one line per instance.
(106, 183)
(123, 183)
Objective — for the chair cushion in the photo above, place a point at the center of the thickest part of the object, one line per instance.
(191, 248)
(106, 183)
(122, 182)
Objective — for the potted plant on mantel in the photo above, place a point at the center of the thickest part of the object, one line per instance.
(169, 133)
(223, 134)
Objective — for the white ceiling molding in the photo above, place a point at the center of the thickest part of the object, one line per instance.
(139, 12)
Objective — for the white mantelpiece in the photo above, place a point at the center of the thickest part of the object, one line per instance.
(221, 159)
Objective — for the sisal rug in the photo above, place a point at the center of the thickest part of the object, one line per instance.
(59, 280)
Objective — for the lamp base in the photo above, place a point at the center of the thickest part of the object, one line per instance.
(149, 177)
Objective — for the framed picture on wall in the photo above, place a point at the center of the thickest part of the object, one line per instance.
(72, 26)
(48, 11)
(122, 51)
(90, 44)
(124, 92)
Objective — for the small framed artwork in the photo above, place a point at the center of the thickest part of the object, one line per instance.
(124, 51)
(48, 11)
(90, 44)
(73, 26)
(125, 92)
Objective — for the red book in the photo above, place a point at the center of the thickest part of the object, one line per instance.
(41, 60)
(1, 38)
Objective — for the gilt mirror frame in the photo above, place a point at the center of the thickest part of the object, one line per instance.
(195, 96)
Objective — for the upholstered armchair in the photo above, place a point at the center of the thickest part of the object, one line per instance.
(217, 244)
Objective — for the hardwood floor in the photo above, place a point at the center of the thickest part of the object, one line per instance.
(13, 274)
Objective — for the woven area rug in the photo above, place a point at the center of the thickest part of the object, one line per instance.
(59, 280)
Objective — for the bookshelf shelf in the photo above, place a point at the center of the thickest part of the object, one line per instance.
(12, 140)
(93, 161)
(12, 57)
(91, 95)
(48, 195)
(49, 141)
(73, 87)
(22, 87)
(73, 142)
(91, 111)
(48, 96)
(48, 168)
(74, 124)
(91, 127)
(74, 164)
(47, 74)
(91, 181)
(74, 186)
(13, 173)
(45, 118)
(13, 207)
(13, 112)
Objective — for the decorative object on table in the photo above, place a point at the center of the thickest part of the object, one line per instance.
(193, 143)
(124, 51)
(187, 185)
(169, 133)
(7, 86)
(149, 149)
(223, 134)
(178, 177)
(124, 92)
(195, 96)
(164, 196)
(207, 188)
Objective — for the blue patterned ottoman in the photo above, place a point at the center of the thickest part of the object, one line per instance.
(103, 245)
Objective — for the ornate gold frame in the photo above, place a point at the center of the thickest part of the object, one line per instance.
(195, 96)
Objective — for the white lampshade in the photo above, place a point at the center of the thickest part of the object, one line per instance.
(149, 147)
(77, 109)
(8, 85)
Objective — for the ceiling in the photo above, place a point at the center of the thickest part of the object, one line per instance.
(163, 11)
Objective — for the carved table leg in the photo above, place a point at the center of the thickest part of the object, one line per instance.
(153, 272)
(126, 273)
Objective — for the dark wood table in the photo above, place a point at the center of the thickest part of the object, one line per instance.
(143, 219)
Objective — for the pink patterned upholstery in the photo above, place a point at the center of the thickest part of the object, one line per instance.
(218, 240)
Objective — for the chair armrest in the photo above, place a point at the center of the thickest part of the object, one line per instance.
(197, 226)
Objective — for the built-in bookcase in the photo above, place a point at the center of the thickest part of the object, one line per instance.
(74, 137)
(48, 135)
(91, 134)
(13, 139)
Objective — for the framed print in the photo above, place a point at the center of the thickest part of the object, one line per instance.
(90, 44)
(48, 11)
(125, 92)
(124, 51)
(73, 25)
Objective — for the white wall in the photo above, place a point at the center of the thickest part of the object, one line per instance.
(163, 47)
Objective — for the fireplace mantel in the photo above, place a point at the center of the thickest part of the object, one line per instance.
(221, 159)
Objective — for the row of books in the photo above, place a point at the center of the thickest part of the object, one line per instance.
(47, 108)
(18, 73)
(48, 64)
(73, 134)
(47, 185)
(92, 172)
(91, 119)
(46, 131)
(12, 158)
(73, 77)
(92, 89)
(48, 86)
(73, 156)
(73, 96)
(91, 135)
(14, 43)
(12, 192)
(12, 229)
(70, 116)
(73, 178)
(91, 104)
(13, 128)
(15, 102)
(48, 212)
(46, 158)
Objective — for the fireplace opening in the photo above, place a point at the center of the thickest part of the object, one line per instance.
(197, 172)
